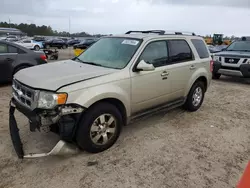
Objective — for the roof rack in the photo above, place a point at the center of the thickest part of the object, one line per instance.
(162, 32)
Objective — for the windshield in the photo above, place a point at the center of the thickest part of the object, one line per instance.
(239, 46)
(111, 52)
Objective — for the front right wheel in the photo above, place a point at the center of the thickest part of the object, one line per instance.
(195, 97)
(99, 127)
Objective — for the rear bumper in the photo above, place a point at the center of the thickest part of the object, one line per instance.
(241, 71)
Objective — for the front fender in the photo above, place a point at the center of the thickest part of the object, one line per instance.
(89, 96)
(202, 72)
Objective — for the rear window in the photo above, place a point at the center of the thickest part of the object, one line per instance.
(12, 49)
(179, 51)
(200, 48)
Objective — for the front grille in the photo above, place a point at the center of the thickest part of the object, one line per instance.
(232, 60)
(23, 94)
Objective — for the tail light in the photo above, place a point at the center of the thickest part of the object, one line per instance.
(43, 57)
(211, 66)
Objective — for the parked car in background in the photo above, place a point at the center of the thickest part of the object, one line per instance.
(12, 38)
(73, 42)
(234, 60)
(14, 57)
(39, 39)
(30, 44)
(83, 45)
(58, 43)
(87, 100)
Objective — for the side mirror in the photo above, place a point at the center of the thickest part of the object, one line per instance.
(143, 66)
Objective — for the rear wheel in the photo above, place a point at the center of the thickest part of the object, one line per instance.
(216, 76)
(36, 48)
(99, 128)
(195, 97)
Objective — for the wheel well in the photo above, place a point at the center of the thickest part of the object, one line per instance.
(118, 104)
(204, 80)
(19, 66)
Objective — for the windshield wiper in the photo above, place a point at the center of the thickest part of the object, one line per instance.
(90, 63)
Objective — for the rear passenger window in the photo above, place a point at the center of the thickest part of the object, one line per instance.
(200, 48)
(12, 49)
(3, 48)
(155, 53)
(179, 51)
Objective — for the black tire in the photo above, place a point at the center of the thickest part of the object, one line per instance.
(36, 48)
(64, 47)
(216, 76)
(20, 68)
(189, 104)
(83, 137)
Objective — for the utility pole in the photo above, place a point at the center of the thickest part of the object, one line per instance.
(9, 23)
(69, 25)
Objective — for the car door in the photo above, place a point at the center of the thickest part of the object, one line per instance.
(7, 58)
(180, 68)
(151, 88)
(27, 44)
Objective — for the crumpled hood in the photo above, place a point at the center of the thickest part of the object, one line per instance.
(52, 76)
(233, 54)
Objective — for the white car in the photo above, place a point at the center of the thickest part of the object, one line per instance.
(30, 44)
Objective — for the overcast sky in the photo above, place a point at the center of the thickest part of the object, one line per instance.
(230, 17)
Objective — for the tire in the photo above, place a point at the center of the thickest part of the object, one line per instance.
(19, 68)
(216, 76)
(36, 48)
(47, 46)
(86, 134)
(190, 104)
(64, 47)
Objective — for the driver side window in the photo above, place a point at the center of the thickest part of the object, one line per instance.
(155, 53)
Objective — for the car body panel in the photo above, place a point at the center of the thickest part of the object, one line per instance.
(59, 74)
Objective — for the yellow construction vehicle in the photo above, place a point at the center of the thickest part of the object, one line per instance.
(217, 39)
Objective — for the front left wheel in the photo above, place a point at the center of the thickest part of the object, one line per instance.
(99, 127)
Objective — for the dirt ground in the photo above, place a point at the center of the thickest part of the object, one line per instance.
(208, 148)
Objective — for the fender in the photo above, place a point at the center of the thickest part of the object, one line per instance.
(201, 72)
(89, 96)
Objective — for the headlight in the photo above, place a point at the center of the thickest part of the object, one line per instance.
(216, 58)
(48, 100)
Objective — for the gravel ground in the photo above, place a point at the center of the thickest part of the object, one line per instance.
(207, 148)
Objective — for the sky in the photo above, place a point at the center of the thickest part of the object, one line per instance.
(229, 17)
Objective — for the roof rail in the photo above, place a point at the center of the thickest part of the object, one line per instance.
(179, 33)
(162, 32)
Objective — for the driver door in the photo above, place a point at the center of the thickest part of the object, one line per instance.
(151, 88)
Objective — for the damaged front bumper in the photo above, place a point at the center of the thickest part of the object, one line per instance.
(66, 119)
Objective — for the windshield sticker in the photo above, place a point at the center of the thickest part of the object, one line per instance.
(130, 42)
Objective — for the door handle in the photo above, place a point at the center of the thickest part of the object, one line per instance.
(192, 67)
(8, 59)
(164, 73)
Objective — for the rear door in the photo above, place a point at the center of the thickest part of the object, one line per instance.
(181, 66)
(8, 56)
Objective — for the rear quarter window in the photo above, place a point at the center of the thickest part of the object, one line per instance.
(200, 48)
